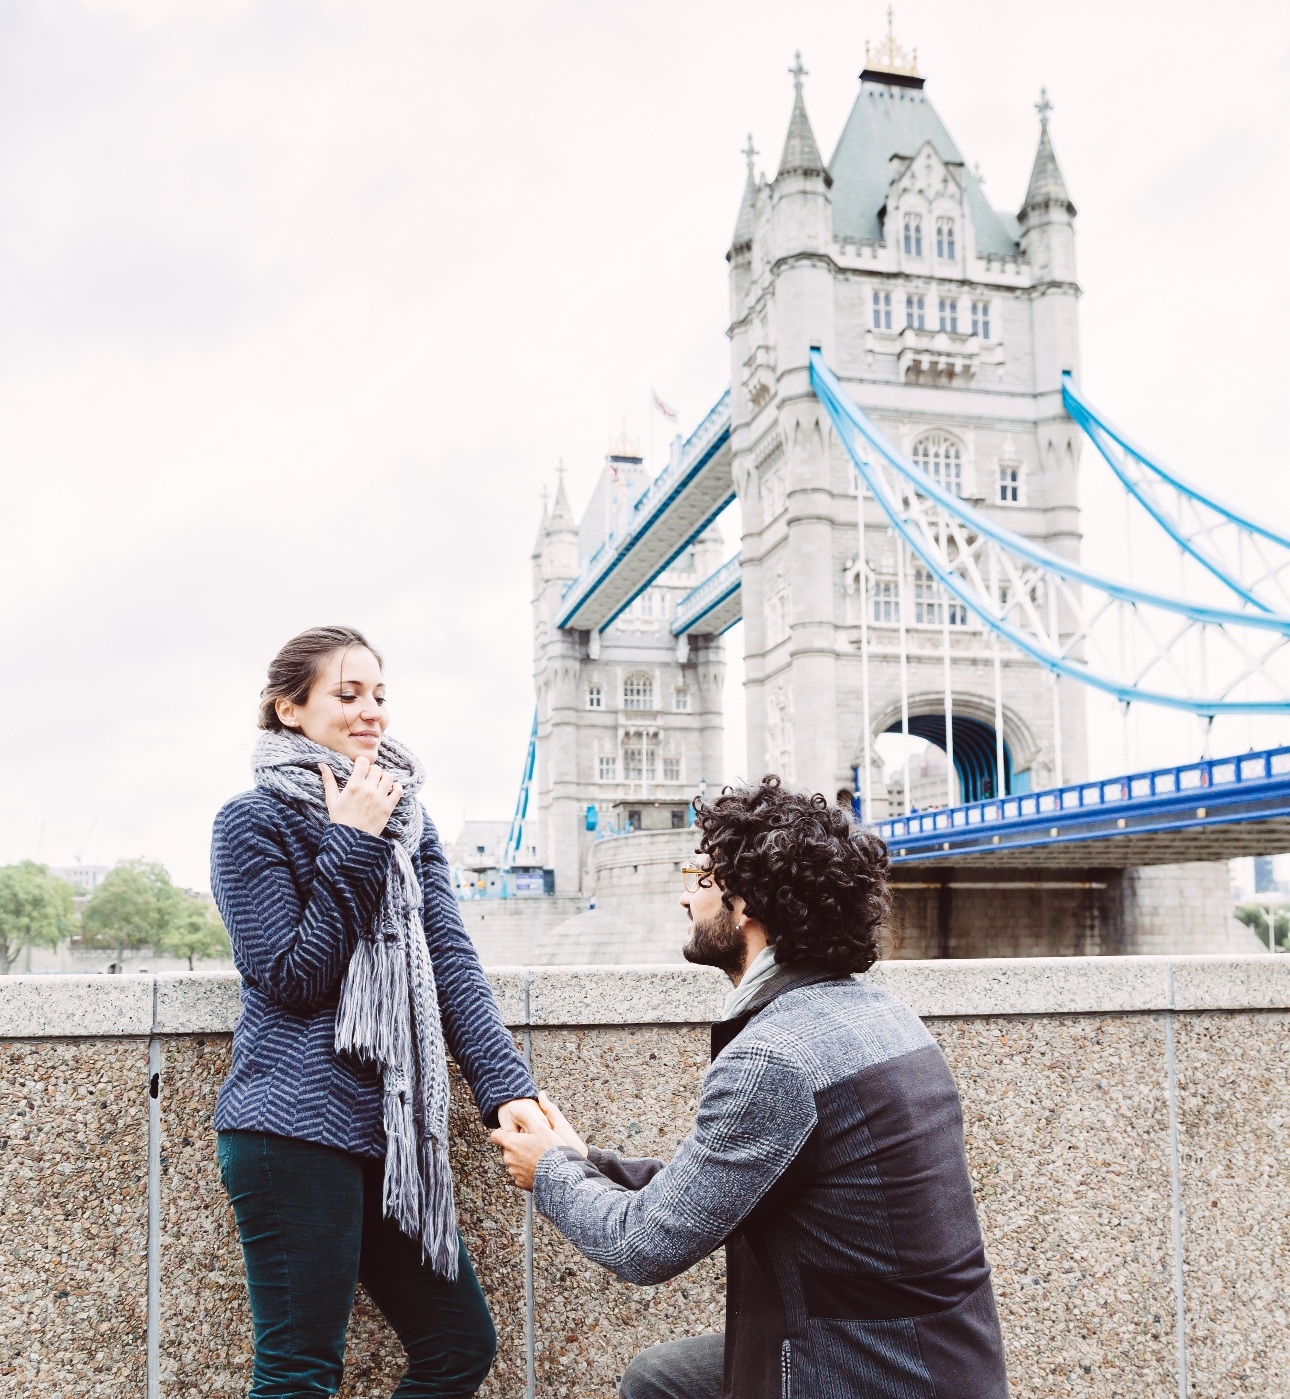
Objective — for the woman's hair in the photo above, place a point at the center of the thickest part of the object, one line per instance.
(807, 871)
(294, 669)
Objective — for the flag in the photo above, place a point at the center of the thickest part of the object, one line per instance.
(668, 413)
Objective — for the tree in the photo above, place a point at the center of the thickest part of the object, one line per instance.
(195, 930)
(36, 910)
(131, 909)
(1256, 919)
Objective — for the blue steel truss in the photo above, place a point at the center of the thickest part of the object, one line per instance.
(1198, 796)
(1247, 557)
(1059, 613)
(515, 836)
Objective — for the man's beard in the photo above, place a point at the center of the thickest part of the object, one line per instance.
(717, 942)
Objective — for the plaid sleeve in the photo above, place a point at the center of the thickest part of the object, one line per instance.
(755, 1114)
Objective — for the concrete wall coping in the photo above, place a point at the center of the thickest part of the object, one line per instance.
(83, 1007)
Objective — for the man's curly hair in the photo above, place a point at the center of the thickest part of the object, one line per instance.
(808, 872)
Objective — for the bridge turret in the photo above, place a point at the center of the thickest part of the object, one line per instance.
(1047, 214)
(801, 225)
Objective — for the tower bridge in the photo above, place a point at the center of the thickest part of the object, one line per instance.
(903, 434)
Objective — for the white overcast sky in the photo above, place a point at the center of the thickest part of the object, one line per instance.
(300, 304)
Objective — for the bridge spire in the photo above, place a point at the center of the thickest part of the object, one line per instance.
(801, 154)
(1047, 187)
(745, 223)
(561, 516)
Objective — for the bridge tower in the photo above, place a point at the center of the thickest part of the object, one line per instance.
(629, 718)
(950, 323)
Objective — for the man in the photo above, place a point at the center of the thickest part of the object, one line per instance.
(827, 1154)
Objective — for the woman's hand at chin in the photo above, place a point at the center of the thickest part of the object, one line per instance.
(368, 799)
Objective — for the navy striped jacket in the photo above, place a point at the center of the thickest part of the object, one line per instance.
(294, 897)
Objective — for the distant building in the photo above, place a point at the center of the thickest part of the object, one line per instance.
(83, 878)
(479, 844)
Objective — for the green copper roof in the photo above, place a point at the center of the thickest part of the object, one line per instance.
(897, 120)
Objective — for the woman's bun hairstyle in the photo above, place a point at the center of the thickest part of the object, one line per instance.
(294, 669)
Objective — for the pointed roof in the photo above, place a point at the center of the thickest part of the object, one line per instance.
(801, 154)
(1046, 183)
(894, 118)
(743, 237)
(561, 516)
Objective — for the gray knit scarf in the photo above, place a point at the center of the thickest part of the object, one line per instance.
(389, 1007)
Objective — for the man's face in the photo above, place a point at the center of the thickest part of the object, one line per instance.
(716, 938)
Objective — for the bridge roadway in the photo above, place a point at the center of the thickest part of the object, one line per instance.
(1214, 809)
(680, 503)
(714, 606)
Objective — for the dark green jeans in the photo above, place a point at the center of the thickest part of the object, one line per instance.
(311, 1227)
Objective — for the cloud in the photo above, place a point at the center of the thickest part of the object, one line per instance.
(303, 303)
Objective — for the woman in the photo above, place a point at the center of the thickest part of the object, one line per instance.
(356, 968)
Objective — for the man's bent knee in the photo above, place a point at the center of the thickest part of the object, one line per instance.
(688, 1369)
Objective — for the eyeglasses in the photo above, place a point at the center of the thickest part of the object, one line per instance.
(696, 877)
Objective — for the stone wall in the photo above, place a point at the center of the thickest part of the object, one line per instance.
(957, 911)
(1128, 1129)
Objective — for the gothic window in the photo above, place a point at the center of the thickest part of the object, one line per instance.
(981, 319)
(945, 238)
(647, 603)
(913, 235)
(608, 767)
(886, 601)
(949, 314)
(931, 602)
(638, 690)
(633, 761)
(681, 699)
(1009, 484)
(671, 769)
(941, 458)
(594, 698)
(914, 311)
(882, 310)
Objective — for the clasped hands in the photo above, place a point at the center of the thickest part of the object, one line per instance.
(528, 1131)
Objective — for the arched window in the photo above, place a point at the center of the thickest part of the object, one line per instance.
(915, 311)
(638, 690)
(945, 238)
(882, 310)
(913, 235)
(681, 699)
(1009, 483)
(941, 458)
(981, 319)
(594, 697)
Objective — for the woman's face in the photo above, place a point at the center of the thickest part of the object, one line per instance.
(345, 710)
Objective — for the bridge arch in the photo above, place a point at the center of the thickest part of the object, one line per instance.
(974, 739)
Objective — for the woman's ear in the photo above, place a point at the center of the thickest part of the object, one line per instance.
(285, 709)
